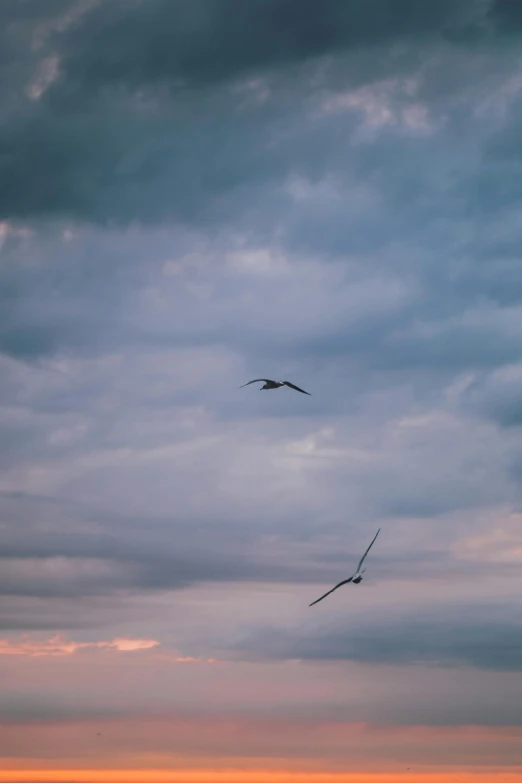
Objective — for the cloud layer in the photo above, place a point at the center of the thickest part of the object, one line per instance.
(194, 194)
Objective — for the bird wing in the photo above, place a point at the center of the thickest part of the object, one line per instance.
(345, 582)
(362, 558)
(287, 383)
(266, 380)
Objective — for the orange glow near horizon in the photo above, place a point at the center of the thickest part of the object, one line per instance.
(248, 776)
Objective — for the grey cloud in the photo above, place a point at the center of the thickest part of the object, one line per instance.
(47, 706)
(60, 552)
(69, 565)
(413, 334)
(165, 535)
(497, 395)
(55, 295)
(99, 165)
(384, 323)
(212, 40)
(483, 638)
(64, 550)
(391, 284)
(19, 24)
(22, 613)
(191, 159)
(507, 15)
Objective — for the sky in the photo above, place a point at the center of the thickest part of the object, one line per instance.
(195, 193)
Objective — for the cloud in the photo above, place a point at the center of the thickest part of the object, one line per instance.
(274, 510)
(197, 45)
(58, 645)
(482, 637)
(497, 395)
(506, 15)
(94, 138)
(241, 744)
(196, 194)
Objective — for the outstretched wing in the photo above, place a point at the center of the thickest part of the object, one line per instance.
(287, 383)
(256, 380)
(362, 558)
(345, 582)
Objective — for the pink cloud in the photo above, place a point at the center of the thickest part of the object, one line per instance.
(184, 741)
(59, 645)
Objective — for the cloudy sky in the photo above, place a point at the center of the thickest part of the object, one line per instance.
(194, 193)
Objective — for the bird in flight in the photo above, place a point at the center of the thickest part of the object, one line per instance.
(356, 578)
(268, 384)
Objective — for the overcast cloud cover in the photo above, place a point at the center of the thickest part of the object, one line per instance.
(194, 193)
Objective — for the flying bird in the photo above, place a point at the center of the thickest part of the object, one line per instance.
(356, 578)
(268, 384)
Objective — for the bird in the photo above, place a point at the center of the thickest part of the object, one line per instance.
(356, 578)
(268, 384)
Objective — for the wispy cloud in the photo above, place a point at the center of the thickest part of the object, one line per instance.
(59, 645)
